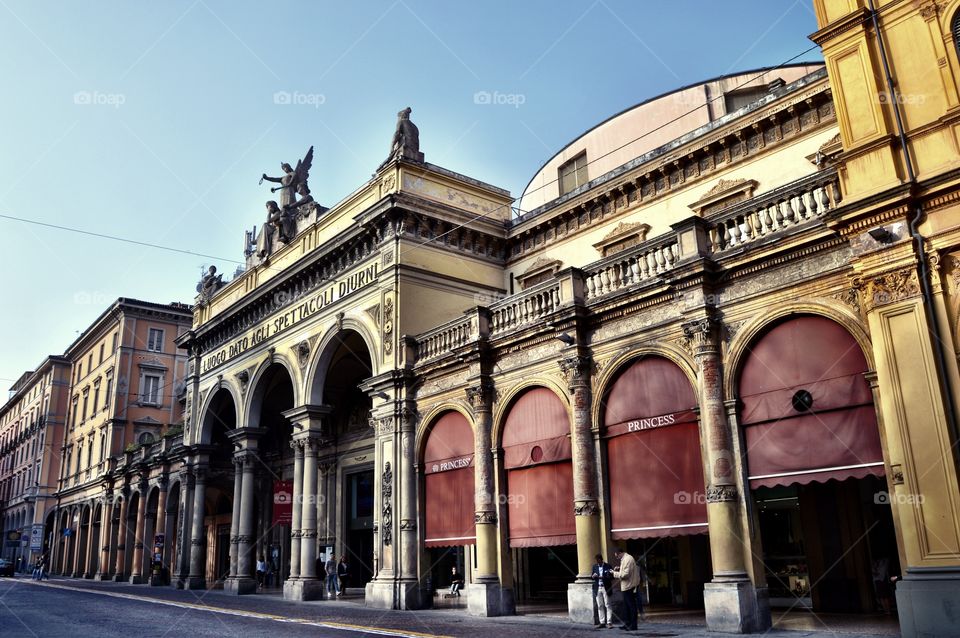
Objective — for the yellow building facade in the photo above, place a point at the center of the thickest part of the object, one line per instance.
(732, 353)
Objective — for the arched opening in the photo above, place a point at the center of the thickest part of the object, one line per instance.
(345, 523)
(649, 420)
(273, 395)
(219, 421)
(815, 466)
(128, 531)
(539, 490)
(448, 486)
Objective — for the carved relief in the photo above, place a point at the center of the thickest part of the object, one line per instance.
(586, 508)
(576, 370)
(485, 518)
(388, 326)
(721, 493)
(302, 350)
(890, 288)
(386, 493)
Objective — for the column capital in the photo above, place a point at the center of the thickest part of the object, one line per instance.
(577, 370)
(703, 335)
(245, 459)
(481, 396)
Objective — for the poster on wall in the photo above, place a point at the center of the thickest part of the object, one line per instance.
(282, 502)
(36, 538)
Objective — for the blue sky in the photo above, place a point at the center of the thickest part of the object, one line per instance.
(154, 120)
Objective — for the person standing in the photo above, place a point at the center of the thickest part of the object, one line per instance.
(602, 574)
(628, 574)
(333, 587)
(343, 573)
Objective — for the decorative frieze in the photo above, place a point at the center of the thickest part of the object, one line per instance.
(586, 508)
(485, 518)
(721, 494)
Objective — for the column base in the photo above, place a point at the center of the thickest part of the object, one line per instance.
(138, 579)
(490, 599)
(301, 589)
(102, 577)
(240, 586)
(195, 583)
(580, 603)
(736, 607)
(118, 578)
(928, 602)
(397, 594)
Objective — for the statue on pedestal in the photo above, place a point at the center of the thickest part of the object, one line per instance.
(209, 284)
(406, 140)
(291, 178)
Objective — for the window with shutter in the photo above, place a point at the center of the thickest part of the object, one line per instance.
(573, 174)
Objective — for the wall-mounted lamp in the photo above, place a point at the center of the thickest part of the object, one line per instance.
(882, 235)
(299, 426)
(565, 338)
(382, 395)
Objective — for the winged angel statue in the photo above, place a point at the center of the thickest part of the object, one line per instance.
(281, 218)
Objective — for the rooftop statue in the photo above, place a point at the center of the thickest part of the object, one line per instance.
(406, 140)
(209, 284)
(291, 178)
(280, 225)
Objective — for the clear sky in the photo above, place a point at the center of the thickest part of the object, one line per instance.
(154, 120)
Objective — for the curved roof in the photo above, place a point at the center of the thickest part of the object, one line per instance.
(654, 122)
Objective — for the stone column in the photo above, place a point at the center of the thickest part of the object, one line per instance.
(136, 570)
(733, 603)
(485, 595)
(198, 533)
(121, 542)
(91, 548)
(159, 527)
(296, 510)
(77, 546)
(308, 515)
(410, 592)
(586, 491)
(235, 516)
(106, 527)
(182, 553)
(244, 583)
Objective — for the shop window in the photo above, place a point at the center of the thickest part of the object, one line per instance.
(573, 174)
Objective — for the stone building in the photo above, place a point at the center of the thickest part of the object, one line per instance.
(722, 335)
(31, 429)
(123, 425)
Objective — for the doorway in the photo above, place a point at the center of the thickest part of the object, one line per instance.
(359, 526)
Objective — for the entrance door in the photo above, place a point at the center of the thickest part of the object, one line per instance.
(222, 569)
(359, 526)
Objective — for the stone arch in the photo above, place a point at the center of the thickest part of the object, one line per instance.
(203, 432)
(619, 363)
(255, 388)
(738, 350)
(324, 350)
(502, 407)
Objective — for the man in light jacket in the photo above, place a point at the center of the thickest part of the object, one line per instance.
(628, 574)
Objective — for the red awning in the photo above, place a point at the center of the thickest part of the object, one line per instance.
(449, 483)
(836, 435)
(654, 462)
(536, 454)
(540, 505)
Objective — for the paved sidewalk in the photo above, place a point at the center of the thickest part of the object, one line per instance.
(354, 615)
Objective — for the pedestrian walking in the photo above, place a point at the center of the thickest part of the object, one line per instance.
(602, 574)
(261, 571)
(628, 574)
(333, 587)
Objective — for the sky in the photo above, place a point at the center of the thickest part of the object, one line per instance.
(153, 121)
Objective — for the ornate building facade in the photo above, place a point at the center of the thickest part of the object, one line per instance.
(730, 349)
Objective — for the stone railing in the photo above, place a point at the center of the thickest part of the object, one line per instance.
(444, 338)
(789, 205)
(630, 267)
(525, 307)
